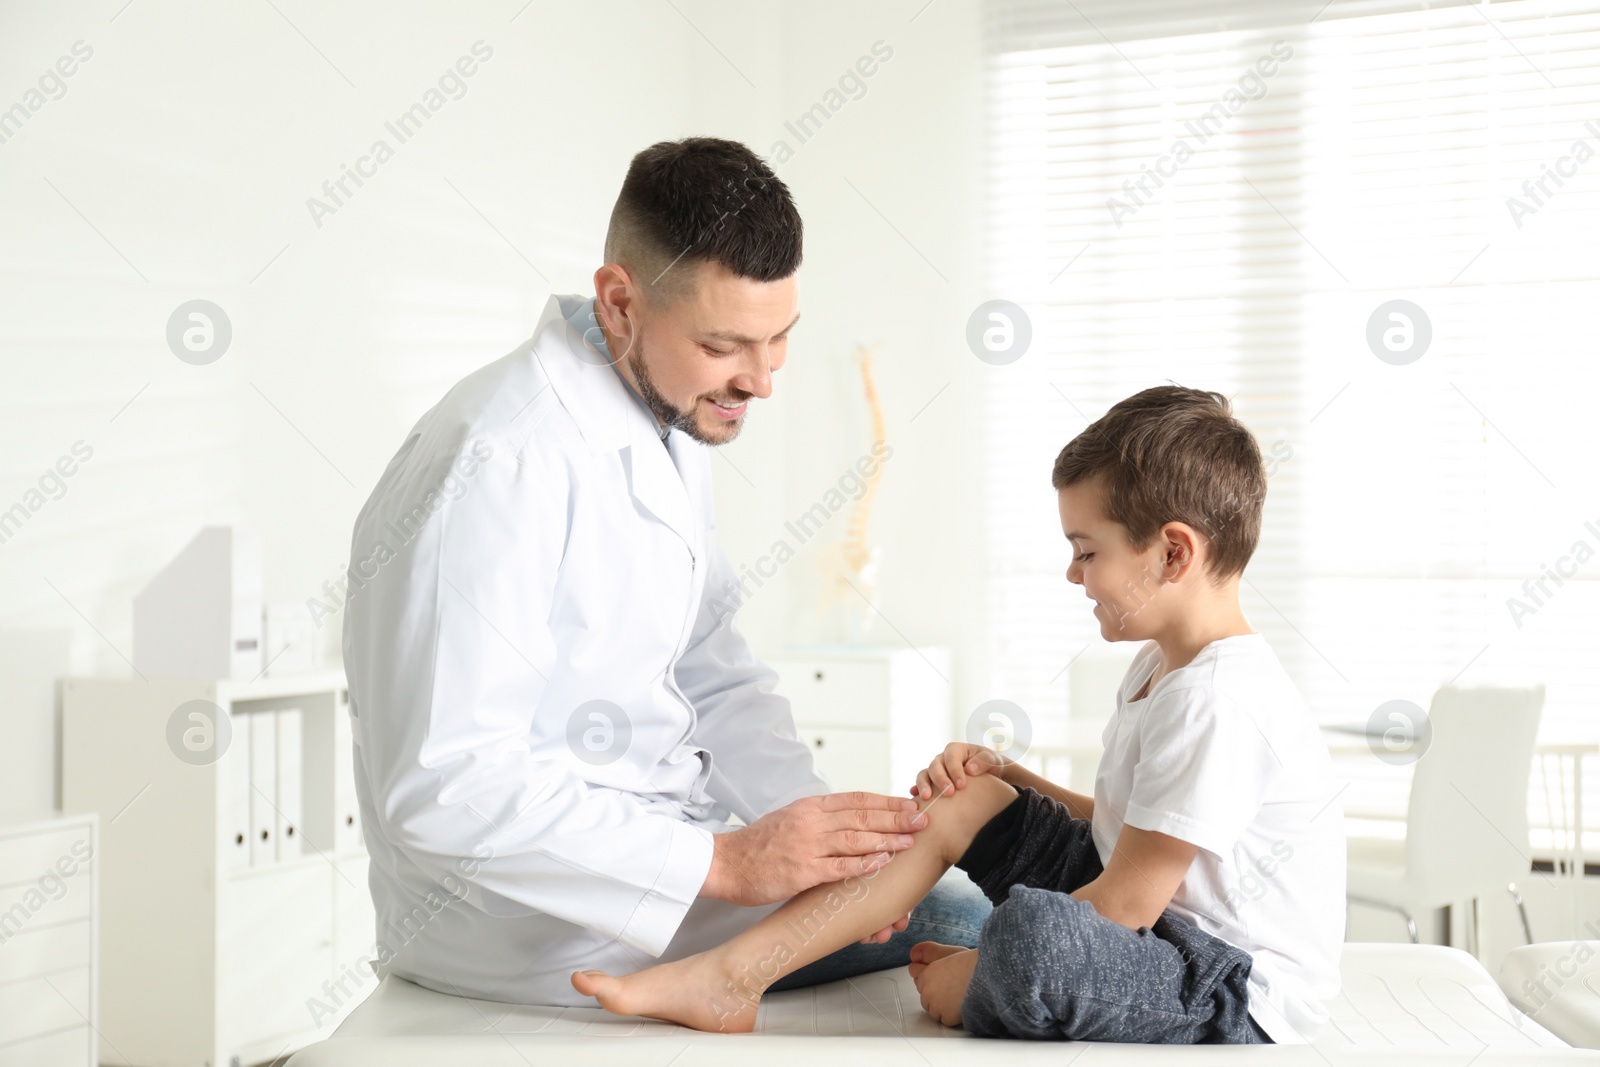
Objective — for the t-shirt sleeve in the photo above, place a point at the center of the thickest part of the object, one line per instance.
(1204, 770)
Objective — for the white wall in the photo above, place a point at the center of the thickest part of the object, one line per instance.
(178, 162)
(889, 189)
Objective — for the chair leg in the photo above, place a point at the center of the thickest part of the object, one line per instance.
(1522, 909)
(1411, 924)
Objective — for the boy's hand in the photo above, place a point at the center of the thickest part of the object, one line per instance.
(951, 768)
(942, 974)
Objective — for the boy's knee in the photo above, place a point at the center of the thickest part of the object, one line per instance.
(1046, 931)
(1032, 921)
(1031, 905)
(988, 790)
(955, 819)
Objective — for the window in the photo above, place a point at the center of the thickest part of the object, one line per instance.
(1233, 203)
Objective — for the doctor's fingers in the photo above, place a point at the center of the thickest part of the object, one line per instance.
(887, 932)
(862, 843)
(842, 868)
(862, 801)
(867, 812)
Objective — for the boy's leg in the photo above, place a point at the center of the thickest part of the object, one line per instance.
(1060, 855)
(952, 913)
(720, 989)
(1034, 842)
(1051, 967)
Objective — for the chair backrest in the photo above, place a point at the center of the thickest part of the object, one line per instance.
(1467, 820)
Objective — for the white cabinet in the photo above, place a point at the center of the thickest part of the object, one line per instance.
(233, 876)
(872, 716)
(48, 909)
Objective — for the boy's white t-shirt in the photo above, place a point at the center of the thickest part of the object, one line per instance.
(1223, 753)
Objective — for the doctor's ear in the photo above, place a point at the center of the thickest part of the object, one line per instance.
(615, 300)
(614, 294)
(626, 333)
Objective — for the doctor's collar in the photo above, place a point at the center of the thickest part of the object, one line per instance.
(661, 430)
(586, 323)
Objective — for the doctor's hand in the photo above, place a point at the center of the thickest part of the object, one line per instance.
(889, 931)
(809, 842)
(951, 768)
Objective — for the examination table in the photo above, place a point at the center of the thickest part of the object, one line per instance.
(1412, 1005)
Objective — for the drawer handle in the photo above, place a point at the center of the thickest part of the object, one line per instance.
(818, 742)
(819, 676)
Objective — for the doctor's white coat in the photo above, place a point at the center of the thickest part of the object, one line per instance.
(552, 710)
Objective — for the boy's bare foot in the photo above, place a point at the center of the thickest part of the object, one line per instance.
(698, 992)
(926, 952)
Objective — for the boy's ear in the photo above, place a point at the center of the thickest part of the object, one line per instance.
(1183, 544)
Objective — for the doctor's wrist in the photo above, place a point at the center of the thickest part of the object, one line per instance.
(719, 876)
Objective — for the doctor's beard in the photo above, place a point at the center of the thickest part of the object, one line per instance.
(669, 416)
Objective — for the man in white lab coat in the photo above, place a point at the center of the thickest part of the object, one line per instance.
(555, 719)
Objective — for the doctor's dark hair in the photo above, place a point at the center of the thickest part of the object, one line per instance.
(697, 200)
(1172, 454)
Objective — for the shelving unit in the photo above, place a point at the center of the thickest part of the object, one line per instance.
(225, 910)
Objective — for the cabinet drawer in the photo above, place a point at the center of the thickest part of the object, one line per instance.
(41, 1005)
(835, 692)
(45, 950)
(55, 1050)
(851, 759)
(28, 857)
(47, 897)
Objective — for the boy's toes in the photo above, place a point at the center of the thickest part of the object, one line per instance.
(929, 951)
(596, 984)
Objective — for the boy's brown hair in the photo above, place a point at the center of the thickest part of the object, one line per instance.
(1172, 454)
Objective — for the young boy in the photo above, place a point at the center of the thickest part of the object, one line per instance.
(1198, 896)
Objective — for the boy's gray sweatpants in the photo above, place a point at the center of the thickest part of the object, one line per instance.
(1052, 967)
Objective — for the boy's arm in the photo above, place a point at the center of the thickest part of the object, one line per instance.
(1078, 805)
(1146, 868)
